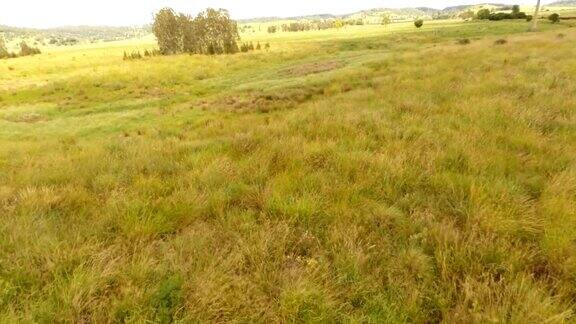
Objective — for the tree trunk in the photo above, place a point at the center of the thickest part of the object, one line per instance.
(535, 18)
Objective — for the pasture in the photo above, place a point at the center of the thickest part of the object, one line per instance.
(365, 174)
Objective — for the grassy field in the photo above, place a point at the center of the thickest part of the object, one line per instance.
(370, 174)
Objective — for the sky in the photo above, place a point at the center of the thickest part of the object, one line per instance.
(54, 13)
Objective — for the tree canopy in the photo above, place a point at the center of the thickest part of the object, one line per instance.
(211, 32)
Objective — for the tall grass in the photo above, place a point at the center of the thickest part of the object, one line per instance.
(399, 178)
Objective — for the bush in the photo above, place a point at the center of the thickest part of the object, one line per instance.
(419, 23)
(499, 16)
(554, 18)
(3, 50)
(464, 41)
(500, 42)
(272, 29)
(26, 50)
(529, 18)
(132, 56)
(483, 14)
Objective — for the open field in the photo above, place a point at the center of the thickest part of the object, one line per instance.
(369, 174)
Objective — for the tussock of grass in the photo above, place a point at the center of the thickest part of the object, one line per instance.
(420, 182)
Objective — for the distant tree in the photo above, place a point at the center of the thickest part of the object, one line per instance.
(386, 20)
(418, 23)
(167, 30)
(467, 15)
(535, 17)
(272, 29)
(3, 49)
(217, 33)
(483, 14)
(515, 10)
(554, 18)
(211, 32)
(188, 37)
(26, 50)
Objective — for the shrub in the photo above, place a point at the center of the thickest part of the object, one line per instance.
(419, 23)
(272, 29)
(3, 50)
(483, 14)
(499, 16)
(529, 18)
(464, 41)
(500, 42)
(132, 56)
(554, 18)
(26, 50)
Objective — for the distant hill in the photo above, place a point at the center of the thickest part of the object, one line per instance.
(563, 3)
(375, 15)
(74, 34)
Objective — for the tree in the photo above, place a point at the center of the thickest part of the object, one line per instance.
(386, 20)
(26, 50)
(166, 28)
(211, 32)
(272, 29)
(418, 23)
(3, 49)
(554, 18)
(217, 33)
(535, 18)
(515, 11)
(483, 14)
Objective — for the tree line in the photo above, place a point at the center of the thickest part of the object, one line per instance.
(314, 25)
(210, 32)
(486, 14)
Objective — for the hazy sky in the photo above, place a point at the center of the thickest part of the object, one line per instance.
(51, 13)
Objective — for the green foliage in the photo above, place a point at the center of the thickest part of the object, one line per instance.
(386, 20)
(418, 23)
(483, 14)
(211, 32)
(167, 299)
(135, 55)
(272, 29)
(26, 50)
(554, 18)
(504, 15)
(3, 49)
(168, 31)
